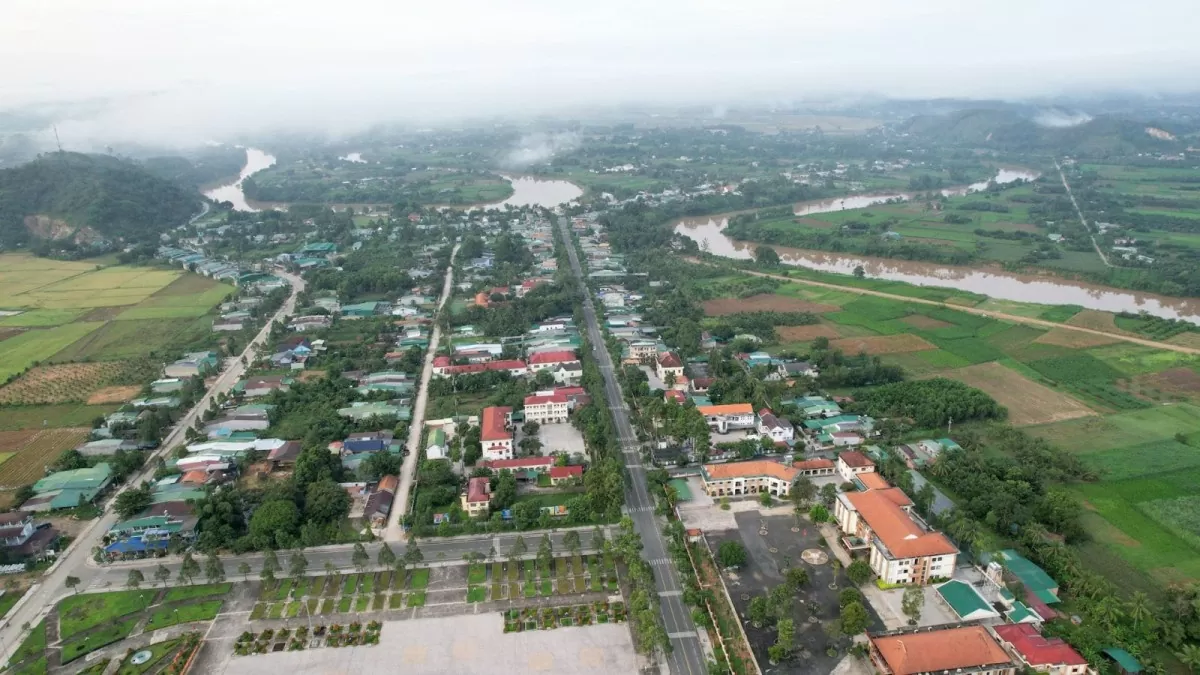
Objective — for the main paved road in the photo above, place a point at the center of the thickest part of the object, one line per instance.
(686, 655)
(409, 470)
(75, 560)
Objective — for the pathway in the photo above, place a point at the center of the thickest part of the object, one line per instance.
(1079, 212)
(1030, 321)
(408, 471)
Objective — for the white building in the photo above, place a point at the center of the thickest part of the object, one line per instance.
(547, 408)
(902, 548)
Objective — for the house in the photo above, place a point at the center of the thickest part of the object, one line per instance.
(168, 385)
(568, 372)
(966, 602)
(674, 395)
(262, 385)
(775, 428)
(1041, 590)
(669, 364)
(902, 548)
(285, 456)
(747, 478)
(819, 466)
(364, 310)
(495, 434)
(477, 497)
(443, 367)
(793, 369)
(549, 360)
(66, 489)
(963, 650)
(1045, 655)
(306, 323)
(363, 410)
(22, 538)
(371, 441)
(436, 446)
(642, 350)
(565, 474)
(851, 463)
(546, 408)
(379, 503)
(725, 418)
(524, 467)
(193, 365)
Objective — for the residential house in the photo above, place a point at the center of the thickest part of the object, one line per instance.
(1042, 654)
(379, 503)
(285, 456)
(568, 372)
(21, 538)
(436, 446)
(546, 408)
(966, 602)
(442, 367)
(851, 463)
(818, 466)
(261, 385)
(1041, 590)
(962, 650)
(642, 350)
(364, 410)
(306, 323)
(364, 310)
(669, 364)
(902, 548)
(525, 468)
(747, 478)
(168, 385)
(560, 475)
(193, 365)
(496, 434)
(777, 429)
(477, 497)
(371, 441)
(66, 489)
(728, 417)
(550, 360)
(793, 369)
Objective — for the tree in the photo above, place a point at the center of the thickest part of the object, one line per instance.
(386, 556)
(571, 541)
(545, 552)
(505, 494)
(244, 570)
(731, 554)
(764, 498)
(795, 577)
(135, 579)
(784, 641)
(911, 602)
(766, 256)
(161, 573)
(598, 540)
(859, 572)
(759, 610)
(854, 619)
(133, 501)
(818, 513)
(859, 272)
(214, 569)
(72, 583)
(270, 566)
(828, 493)
(518, 548)
(1189, 655)
(188, 569)
(802, 492)
(326, 502)
(274, 523)
(297, 564)
(412, 554)
(359, 558)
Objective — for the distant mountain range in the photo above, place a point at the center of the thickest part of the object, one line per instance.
(84, 200)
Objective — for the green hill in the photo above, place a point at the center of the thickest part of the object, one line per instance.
(77, 199)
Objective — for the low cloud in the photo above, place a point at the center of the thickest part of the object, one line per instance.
(1056, 118)
(539, 148)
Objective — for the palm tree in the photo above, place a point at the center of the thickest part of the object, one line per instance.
(1108, 611)
(1138, 608)
(1190, 656)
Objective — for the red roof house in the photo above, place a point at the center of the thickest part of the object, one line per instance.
(1040, 653)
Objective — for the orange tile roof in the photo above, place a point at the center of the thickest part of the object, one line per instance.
(752, 469)
(881, 511)
(389, 483)
(855, 459)
(817, 463)
(493, 426)
(940, 650)
(873, 481)
(727, 409)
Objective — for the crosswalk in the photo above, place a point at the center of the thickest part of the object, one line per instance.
(641, 509)
(659, 562)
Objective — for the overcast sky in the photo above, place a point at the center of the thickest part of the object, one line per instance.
(188, 70)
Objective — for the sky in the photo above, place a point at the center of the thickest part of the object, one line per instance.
(185, 71)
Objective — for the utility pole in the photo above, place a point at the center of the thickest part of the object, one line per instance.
(56, 139)
(949, 424)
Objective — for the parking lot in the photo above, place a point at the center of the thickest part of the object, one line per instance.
(556, 438)
(774, 543)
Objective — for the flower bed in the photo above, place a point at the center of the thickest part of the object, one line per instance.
(546, 618)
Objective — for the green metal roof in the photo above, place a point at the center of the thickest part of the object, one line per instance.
(1032, 577)
(92, 478)
(1020, 613)
(963, 599)
(681, 489)
(69, 498)
(1124, 659)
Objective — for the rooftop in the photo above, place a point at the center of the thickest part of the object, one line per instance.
(727, 409)
(1037, 650)
(479, 490)
(761, 467)
(855, 459)
(935, 651)
(494, 425)
(817, 463)
(552, 357)
(903, 537)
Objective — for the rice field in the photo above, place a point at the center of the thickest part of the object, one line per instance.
(24, 350)
(35, 450)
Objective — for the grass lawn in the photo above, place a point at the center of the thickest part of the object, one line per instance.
(188, 592)
(418, 579)
(107, 635)
(282, 590)
(362, 603)
(530, 589)
(276, 610)
(368, 584)
(10, 598)
(399, 579)
(396, 601)
(293, 610)
(259, 611)
(476, 573)
(344, 603)
(476, 594)
(327, 606)
(547, 587)
(78, 613)
(34, 644)
(169, 616)
(331, 585)
(37, 667)
(157, 653)
(349, 584)
(416, 599)
(23, 350)
(379, 603)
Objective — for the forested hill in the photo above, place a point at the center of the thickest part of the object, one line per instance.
(77, 199)
(1013, 131)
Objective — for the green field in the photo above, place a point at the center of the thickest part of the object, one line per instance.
(118, 340)
(32, 346)
(13, 418)
(41, 318)
(78, 613)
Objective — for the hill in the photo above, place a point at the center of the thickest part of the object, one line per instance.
(1014, 130)
(200, 167)
(74, 199)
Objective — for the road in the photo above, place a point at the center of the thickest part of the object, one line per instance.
(434, 551)
(1029, 321)
(75, 561)
(1079, 212)
(408, 471)
(686, 656)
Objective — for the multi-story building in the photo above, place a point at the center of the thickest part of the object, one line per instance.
(728, 417)
(668, 364)
(478, 497)
(547, 408)
(495, 434)
(818, 466)
(851, 464)
(902, 549)
(777, 429)
(547, 360)
(1045, 655)
(748, 478)
(962, 650)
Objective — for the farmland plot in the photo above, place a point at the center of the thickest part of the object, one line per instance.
(74, 381)
(37, 345)
(35, 450)
(1027, 401)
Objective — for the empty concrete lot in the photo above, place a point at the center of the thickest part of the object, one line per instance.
(464, 645)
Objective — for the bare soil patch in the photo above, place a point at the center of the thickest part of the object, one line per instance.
(883, 344)
(1065, 337)
(310, 375)
(1096, 320)
(62, 383)
(113, 395)
(806, 333)
(1183, 339)
(1027, 401)
(924, 322)
(764, 302)
(102, 313)
(6, 333)
(1173, 380)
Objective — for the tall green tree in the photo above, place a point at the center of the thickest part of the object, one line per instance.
(214, 569)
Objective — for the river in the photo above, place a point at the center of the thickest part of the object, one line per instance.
(863, 201)
(533, 191)
(256, 160)
(994, 283)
